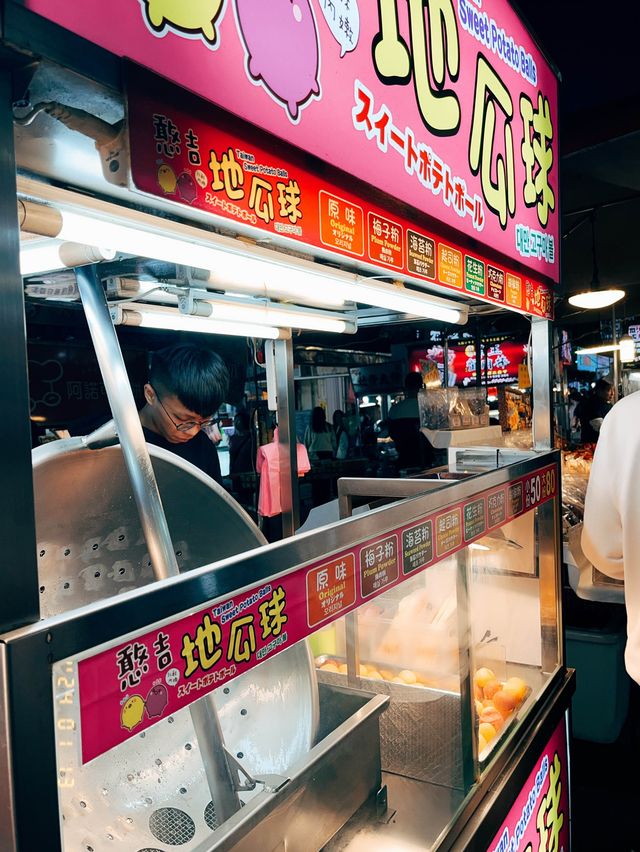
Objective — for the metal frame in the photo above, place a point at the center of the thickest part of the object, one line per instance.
(31, 651)
(287, 448)
(547, 538)
(34, 34)
(19, 587)
(27, 654)
(542, 345)
(7, 810)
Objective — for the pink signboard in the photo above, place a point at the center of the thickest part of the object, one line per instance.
(539, 818)
(184, 150)
(134, 684)
(500, 362)
(432, 101)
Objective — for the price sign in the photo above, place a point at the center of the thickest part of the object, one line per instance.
(539, 488)
(378, 565)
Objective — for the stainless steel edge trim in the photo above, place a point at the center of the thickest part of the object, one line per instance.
(18, 565)
(8, 841)
(89, 627)
(287, 441)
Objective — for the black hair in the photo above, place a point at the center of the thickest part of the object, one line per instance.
(602, 384)
(413, 381)
(318, 419)
(243, 418)
(197, 376)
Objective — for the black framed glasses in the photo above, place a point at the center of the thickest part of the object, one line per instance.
(187, 425)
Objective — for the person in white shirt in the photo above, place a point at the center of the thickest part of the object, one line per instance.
(611, 533)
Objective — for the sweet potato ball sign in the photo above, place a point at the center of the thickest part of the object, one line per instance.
(447, 105)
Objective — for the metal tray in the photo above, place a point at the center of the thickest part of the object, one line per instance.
(420, 731)
(323, 790)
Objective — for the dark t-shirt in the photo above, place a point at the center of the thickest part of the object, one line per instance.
(200, 451)
(241, 456)
(591, 409)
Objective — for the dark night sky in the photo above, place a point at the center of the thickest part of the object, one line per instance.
(596, 52)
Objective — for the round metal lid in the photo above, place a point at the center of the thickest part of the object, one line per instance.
(151, 792)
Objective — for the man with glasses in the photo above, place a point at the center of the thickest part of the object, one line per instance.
(185, 388)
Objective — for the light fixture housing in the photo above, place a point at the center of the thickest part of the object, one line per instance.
(257, 312)
(594, 297)
(596, 300)
(627, 349)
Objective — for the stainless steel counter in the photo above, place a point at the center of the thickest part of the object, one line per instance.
(416, 813)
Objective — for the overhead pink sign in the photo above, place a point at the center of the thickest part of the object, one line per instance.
(428, 100)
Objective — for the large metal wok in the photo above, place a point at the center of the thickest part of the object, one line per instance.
(151, 794)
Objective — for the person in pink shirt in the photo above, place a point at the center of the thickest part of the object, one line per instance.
(268, 467)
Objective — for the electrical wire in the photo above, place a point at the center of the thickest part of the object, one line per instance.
(140, 298)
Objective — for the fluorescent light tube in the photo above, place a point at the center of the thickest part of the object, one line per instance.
(276, 281)
(54, 255)
(627, 349)
(235, 262)
(598, 350)
(260, 277)
(404, 301)
(197, 302)
(147, 316)
(284, 316)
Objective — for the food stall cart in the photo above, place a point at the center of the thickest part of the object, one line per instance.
(110, 695)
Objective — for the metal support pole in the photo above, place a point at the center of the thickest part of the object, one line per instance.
(478, 345)
(288, 453)
(152, 517)
(8, 815)
(128, 426)
(469, 744)
(445, 360)
(18, 568)
(616, 355)
(541, 380)
(352, 641)
(486, 363)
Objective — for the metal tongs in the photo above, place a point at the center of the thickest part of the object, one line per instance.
(244, 783)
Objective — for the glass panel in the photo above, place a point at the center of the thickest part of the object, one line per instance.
(509, 667)
(408, 649)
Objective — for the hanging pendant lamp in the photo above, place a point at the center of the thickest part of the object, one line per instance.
(595, 297)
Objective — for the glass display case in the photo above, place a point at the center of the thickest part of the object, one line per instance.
(294, 695)
(453, 408)
(411, 640)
